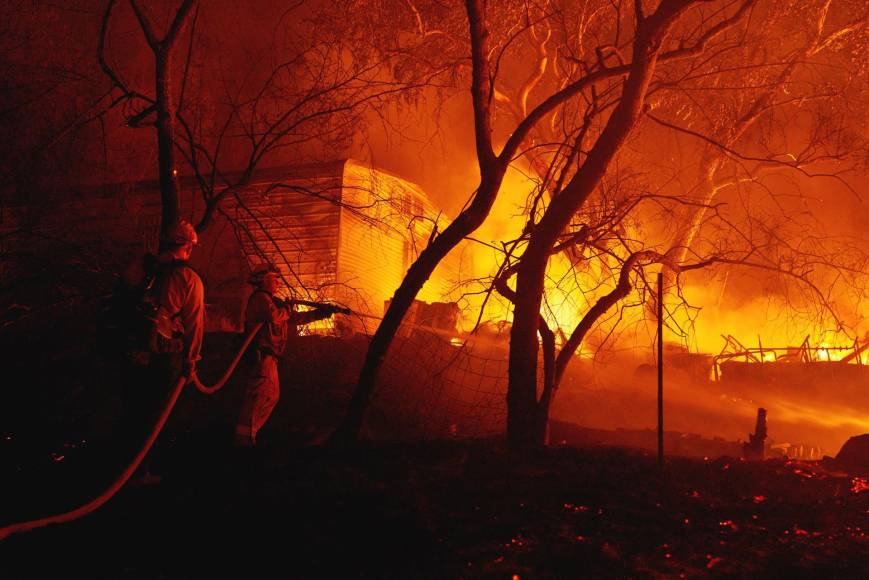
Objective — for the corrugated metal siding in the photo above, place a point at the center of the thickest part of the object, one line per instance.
(370, 264)
(295, 228)
(375, 258)
(376, 239)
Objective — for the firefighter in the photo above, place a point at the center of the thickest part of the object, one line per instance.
(180, 316)
(279, 321)
(175, 341)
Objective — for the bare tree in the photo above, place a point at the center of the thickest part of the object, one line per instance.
(308, 86)
(163, 103)
(527, 413)
(732, 108)
(648, 48)
(608, 263)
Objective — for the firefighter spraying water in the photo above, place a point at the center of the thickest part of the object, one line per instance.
(278, 320)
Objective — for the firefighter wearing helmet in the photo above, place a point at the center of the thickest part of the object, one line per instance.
(279, 320)
(177, 297)
(181, 297)
(181, 233)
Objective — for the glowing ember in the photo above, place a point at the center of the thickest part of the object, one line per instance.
(713, 560)
(859, 484)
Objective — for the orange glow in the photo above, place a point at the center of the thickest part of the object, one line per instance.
(763, 322)
(325, 326)
(569, 292)
(773, 330)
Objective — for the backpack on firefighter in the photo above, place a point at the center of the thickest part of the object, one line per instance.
(127, 324)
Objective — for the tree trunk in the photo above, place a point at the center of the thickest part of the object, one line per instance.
(165, 126)
(417, 275)
(492, 171)
(522, 420)
(547, 341)
(522, 423)
(164, 107)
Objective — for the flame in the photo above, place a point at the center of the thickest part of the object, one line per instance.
(569, 291)
(760, 322)
(324, 326)
(772, 327)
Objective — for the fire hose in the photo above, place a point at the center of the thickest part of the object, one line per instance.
(119, 482)
(205, 389)
(106, 495)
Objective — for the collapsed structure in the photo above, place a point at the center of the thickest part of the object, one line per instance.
(820, 372)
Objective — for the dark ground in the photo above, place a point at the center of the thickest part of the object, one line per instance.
(458, 510)
(449, 509)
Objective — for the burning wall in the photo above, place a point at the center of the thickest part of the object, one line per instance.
(338, 231)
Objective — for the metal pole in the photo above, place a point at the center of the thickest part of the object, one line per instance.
(660, 372)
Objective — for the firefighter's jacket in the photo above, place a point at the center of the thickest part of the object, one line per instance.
(279, 322)
(181, 308)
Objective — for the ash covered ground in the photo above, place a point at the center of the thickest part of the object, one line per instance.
(464, 508)
(460, 510)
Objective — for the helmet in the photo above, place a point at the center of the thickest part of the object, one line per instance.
(259, 273)
(182, 233)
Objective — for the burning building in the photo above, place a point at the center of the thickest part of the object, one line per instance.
(338, 231)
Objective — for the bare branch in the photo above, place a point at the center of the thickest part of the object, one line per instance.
(152, 40)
